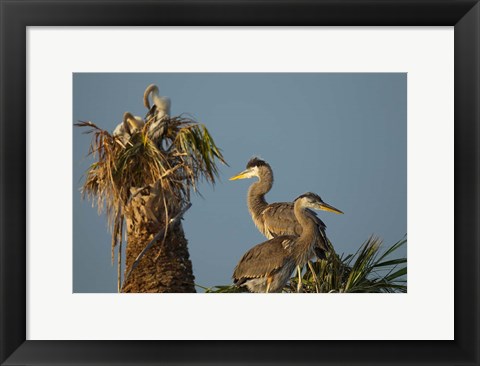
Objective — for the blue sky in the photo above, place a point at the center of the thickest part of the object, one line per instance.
(343, 136)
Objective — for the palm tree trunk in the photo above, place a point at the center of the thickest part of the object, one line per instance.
(166, 266)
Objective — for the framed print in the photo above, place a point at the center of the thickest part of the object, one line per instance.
(374, 106)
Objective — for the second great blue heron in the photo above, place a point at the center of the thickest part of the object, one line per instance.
(267, 267)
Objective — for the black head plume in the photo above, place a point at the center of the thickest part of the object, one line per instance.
(256, 162)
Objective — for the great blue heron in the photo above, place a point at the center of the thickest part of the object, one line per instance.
(278, 218)
(130, 124)
(268, 266)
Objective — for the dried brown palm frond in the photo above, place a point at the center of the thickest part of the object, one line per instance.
(174, 162)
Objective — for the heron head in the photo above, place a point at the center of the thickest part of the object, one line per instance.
(255, 166)
(312, 200)
(133, 124)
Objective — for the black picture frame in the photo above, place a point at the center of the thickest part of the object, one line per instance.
(16, 15)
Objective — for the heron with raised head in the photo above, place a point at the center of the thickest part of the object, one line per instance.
(161, 103)
(267, 267)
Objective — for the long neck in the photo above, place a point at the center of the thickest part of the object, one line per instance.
(303, 248)
(151, 89)
(257, 191)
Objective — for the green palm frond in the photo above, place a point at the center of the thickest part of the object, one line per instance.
(365, 271)
(372, 273)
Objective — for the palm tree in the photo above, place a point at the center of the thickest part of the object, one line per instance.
(368, 270)
(143, 181)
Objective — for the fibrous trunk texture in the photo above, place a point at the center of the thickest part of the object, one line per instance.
(166, 266)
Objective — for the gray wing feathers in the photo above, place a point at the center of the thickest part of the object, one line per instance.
(262, 259)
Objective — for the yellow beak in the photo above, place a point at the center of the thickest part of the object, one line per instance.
(326, 207)
(242, 175)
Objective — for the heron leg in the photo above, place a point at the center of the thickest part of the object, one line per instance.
(315, 278)
(299, 285)
(269, 281)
